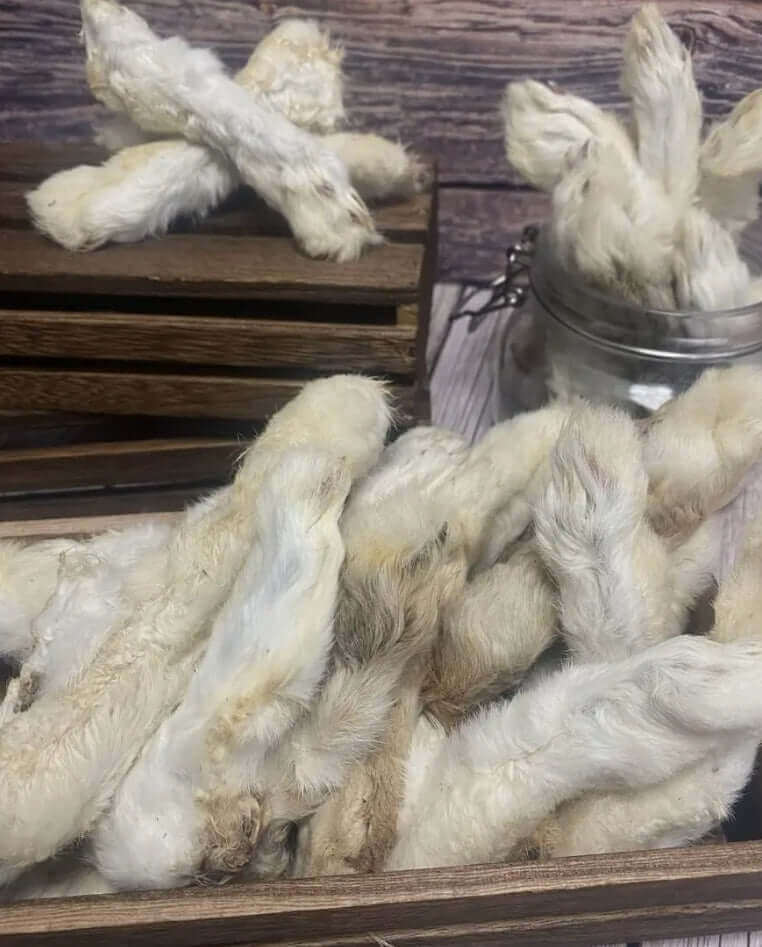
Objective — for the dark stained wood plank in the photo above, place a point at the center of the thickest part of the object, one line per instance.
(135, 393)
(117, 464)
(574, 901)
(477, 226)
(205, 340)
(215, 266)
(92, 503)
(25, 429)
(210, 396)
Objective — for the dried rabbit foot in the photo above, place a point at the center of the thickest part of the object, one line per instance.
(380, 169)
(89, 600)
(139, 192)
(143, 190)
(614, 226)
(666, 107)
(630, 724)
(401, 567)
(732, 202)
(731, 164)
(685, 808)
(709, 272)
(351, 713)
(699, 447)
(28, 576)
(64, 758)
(491, 635)
(147, 187)
(166, 86)
(619, 587)
(298, 70)
(485, 496)
(187, 809)
(680, 811)
(542, 127)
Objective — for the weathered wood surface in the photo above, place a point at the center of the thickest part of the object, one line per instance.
(429, 71)
(218, 266)
(118, 464)
(211, 396)
(572, 901)
(208, 340)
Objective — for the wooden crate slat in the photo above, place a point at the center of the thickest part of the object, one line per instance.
(201, 340)
(571, 901)
(213, 267)
(180, 460)
(103, 502)
(153, 394)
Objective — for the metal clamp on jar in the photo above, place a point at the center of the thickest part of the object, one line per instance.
(565, 339)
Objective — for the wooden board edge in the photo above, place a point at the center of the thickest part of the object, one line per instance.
(577, 901)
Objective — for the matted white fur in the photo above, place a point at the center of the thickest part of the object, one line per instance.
(709, 272)
(700, 446)
(648, 214)
(658, 78)
(620, 586)
(298, 69)
(544, 127)
(28, 577)
(188, 808)
(614, 226)
(167, 87)
(404, 560)
(63, 759)
(685, 808)
(485, 788)
(144, 189)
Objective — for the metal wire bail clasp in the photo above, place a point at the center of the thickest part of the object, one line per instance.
(509, 290)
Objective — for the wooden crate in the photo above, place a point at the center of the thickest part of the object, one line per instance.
(569, 902)
(144, 366)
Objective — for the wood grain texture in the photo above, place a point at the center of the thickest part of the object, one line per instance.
(575, 901)
(210, 396)
(429, 71)
(204, 340)
(119, 464)
(216, 267)
(102, 502)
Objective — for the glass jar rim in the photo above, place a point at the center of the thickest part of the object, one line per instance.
(619, 324)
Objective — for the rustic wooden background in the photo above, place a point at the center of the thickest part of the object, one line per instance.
(429, 71)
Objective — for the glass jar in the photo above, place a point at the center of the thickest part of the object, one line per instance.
(569, 339)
